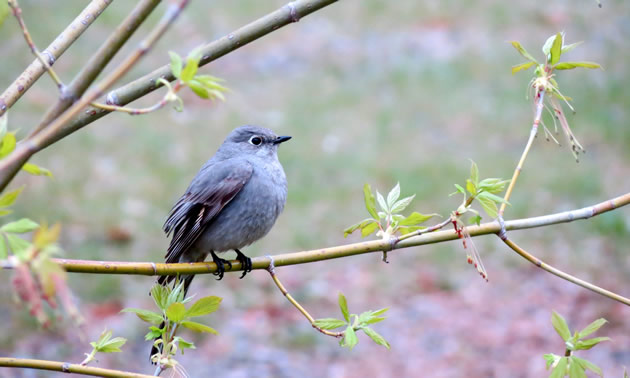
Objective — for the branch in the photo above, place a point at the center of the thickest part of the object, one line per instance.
(65, 367)
(35, 70)
(539, 108)
(99, 60)
(161, 269)
(285, 15)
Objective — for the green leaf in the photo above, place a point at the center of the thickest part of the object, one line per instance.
(493, 197)
(459, 189)
(349, 339)
(369, 228)
(521, 67)
(556, 49)
(204, 306)
(476, 219)
(176, 64)
(176, 312)
(404, 230)
(567, 48)
(189, 70)
(159, 294)
(493, 185)
(195, 54)
(589, 343)
(489, 206)
(329, 323)
(560, 369)
(393, 195)
(20, 226)
(594, 326)
(183, 344)
(176, 294)
(416, 218)
(546, 49)
(402, 204)
(111, 346)
(199, 89)
(36, 170)
(146, 315)
(550, 359)
(588, 365)
(17, 244)
(560, 325)
(198, 327)
(376, 337)
(572, 65)
(356, 226)
(211, 82)
(472, 189)
(343, 305)
(521, 50)
(8, 198)
(153, 333)
(370, 204)
(575, 369)
(474, 173)
(7, 145)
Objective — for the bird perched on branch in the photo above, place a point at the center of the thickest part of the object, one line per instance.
(233, 201)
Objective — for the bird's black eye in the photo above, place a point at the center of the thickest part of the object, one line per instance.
(255, 140)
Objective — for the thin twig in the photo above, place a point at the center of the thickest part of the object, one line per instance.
(65, 367)
(99, 61)
(557, 272)
(35, 70)
(17, 12)
(295, 303)
(521, 162)
(425, 230)
(168, 97)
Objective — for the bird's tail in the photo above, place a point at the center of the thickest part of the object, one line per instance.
(165, 280)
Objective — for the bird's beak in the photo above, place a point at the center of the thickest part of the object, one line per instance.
(281, 139)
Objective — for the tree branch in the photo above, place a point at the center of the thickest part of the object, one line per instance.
(35, 70)
(65, 367)
(99, 60)
(289, 13)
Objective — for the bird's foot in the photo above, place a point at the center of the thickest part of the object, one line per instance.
(221, 263)
(246, 262)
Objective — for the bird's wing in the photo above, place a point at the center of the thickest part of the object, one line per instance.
(213, 188)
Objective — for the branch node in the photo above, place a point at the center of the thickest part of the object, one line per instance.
(293, 12)
(155, 272)
(50, 57)
(65, 367)
(112, 99)
(272, 266)
(502, 232)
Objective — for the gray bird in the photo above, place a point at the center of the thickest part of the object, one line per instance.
(234, 200)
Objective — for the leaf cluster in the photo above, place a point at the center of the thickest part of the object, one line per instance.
(174, 314)
(387, 218)
(104, 344)
(354, 323)
(484, 191)
(204, 86)
(569, 364)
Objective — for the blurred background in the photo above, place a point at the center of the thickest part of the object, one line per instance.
(372, 92)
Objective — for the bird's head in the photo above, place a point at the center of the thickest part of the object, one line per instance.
(252, 140)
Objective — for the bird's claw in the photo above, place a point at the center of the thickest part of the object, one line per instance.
(221, 263)
(246, 262)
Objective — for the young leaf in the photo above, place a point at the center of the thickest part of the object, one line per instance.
(176, 312)
(370, 204)
(198, 88)
(489, 206)
(343, 305)
(393, 195)
(183, 344)
(159, 294)
(550, 359)
(7, 199)
(369, 228)
(176, 294)
(560, 369)
(416, 218)
(556, 49)
(349, 339)
(521, 50)
(522, 66)
(189, 70)
(376, 337)
(459, 189)
(546, 49)
(381, 201)
(470, 186)
(589, 343)
(575, 369)
(153, 333)
(357, 226)
(19, 227)
(146, 315)
(7, 145)
(198, 327)
(17, 244)
(176, 64)
(36, 170)
(111, 346)
(560, 325)
(594, 326)
(329, 323)
(402, 204)
(474, 173)
(572, 65)
(493, 185)
(204, 306)
(476, 219)
(588, 365)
